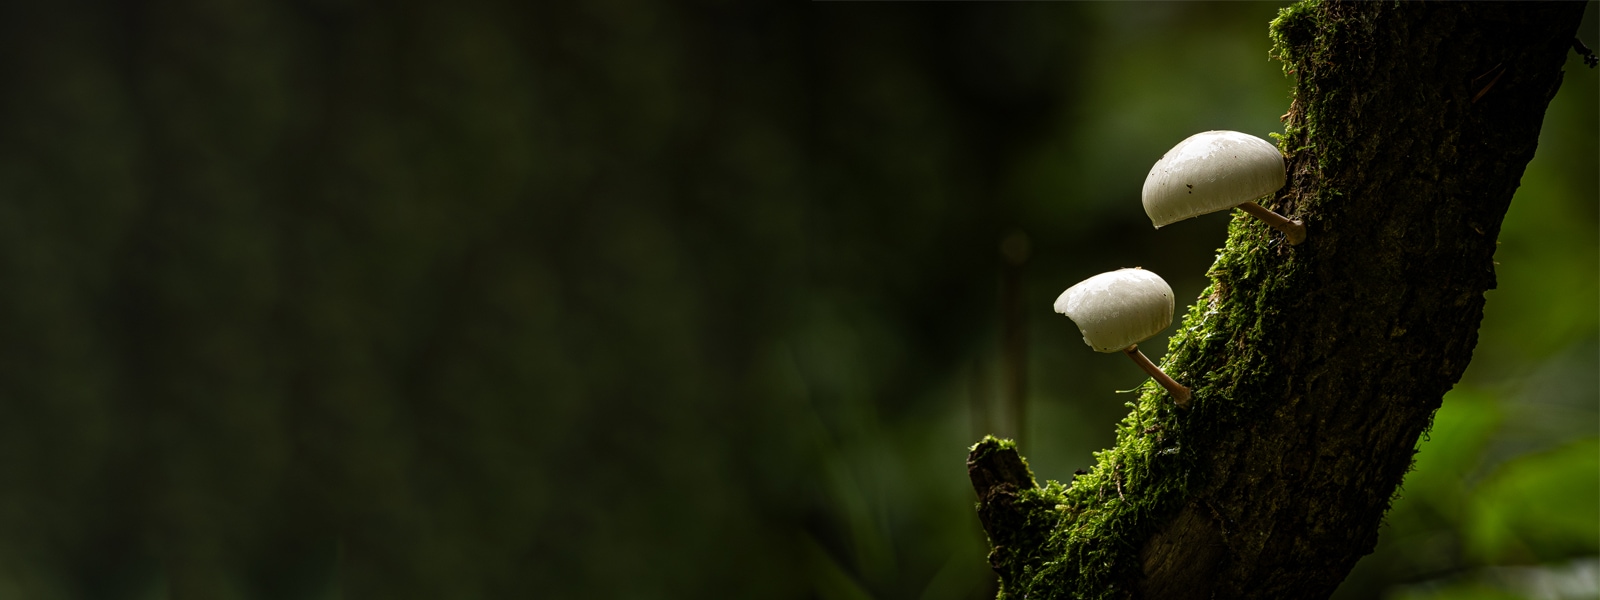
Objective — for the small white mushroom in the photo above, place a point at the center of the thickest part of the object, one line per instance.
(1117, 310)
(1217, 170)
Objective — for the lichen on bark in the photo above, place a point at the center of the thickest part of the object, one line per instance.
(1314, 368)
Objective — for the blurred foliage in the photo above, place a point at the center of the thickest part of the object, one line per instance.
(327, 299)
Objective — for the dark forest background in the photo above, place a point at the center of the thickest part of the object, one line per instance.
(616, 299)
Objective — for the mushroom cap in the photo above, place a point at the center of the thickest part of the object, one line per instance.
(1118, 309)
(1208, 172)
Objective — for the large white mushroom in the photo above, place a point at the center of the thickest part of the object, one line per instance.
(1117, 310)
(1217, 170)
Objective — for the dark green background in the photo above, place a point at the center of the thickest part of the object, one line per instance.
(623, 299)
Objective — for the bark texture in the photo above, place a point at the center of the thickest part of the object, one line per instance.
(1316, 367)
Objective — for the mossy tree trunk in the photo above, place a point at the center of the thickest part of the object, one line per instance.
(1315, 367)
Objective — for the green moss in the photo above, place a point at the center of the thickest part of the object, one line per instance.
(1302, 37)
(1294, 30)
(989, 445)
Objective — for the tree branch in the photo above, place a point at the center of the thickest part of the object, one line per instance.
(1314, 368)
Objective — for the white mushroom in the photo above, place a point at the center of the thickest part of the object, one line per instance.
(1217, 170)
(1117, 310)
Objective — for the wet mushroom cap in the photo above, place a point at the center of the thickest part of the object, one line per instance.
(1208, 172)
(1118, 309)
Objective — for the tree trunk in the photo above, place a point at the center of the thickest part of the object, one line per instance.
(1316, 367)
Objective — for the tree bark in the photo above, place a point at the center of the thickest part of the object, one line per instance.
(1314, 368)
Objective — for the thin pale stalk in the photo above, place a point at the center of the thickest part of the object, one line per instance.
(1179, 393)
(1292, 229)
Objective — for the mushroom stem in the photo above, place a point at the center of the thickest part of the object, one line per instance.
(1179, 393)
(1294, 230)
